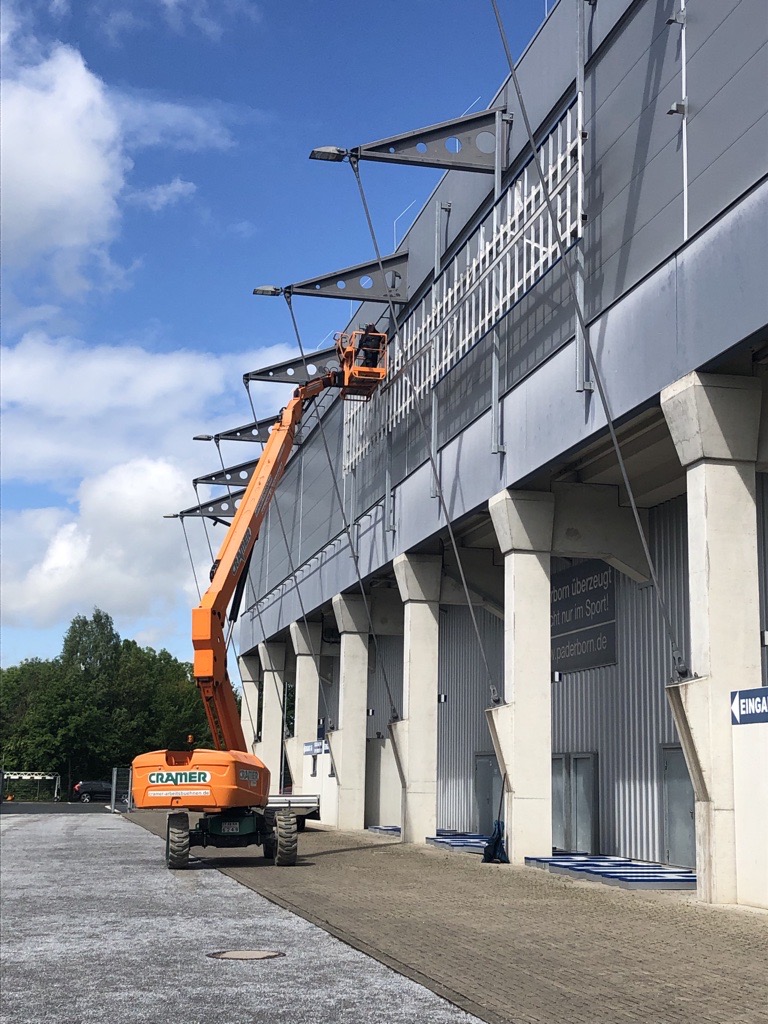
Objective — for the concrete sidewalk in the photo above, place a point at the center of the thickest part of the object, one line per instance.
(519, 944)
(96, 930)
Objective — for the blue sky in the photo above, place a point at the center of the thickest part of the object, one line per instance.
(154, 168)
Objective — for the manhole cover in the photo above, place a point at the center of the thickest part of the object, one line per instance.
(245, 954)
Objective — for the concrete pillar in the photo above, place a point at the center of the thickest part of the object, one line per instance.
(419, 578)
(521, 727)
(347, 742)
(306, 639)
(714, 422)
(250, 674)
(270, 748)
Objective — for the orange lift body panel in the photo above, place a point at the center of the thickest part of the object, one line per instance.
(201, 780)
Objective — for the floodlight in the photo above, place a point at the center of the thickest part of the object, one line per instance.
(203, 437)
(334, 154)
(268, 289)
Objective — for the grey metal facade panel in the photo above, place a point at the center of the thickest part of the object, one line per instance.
(620, 711)
(693, 308)
(739, 166)
(762, 560)
(385, 684)
(462, 727)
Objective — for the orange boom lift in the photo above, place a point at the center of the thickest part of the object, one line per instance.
(229, 785)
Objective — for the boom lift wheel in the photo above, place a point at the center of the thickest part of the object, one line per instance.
(177, 840)
(269, 841)
(287, 838)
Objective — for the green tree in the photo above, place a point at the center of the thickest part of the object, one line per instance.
(99, 704)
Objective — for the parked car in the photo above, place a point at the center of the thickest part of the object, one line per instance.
(87, 791)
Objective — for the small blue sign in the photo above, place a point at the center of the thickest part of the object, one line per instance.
(748, 707)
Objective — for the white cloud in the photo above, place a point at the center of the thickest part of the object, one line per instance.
(69, 143)
(113, 427)
(63, 164)
(158, 197)
(115, 552)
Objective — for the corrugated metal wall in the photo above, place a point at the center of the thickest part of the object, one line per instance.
(762, 559)
(620, 711)
(462, 730)
(385, 669)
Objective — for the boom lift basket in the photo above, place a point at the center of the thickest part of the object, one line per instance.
(363, 362)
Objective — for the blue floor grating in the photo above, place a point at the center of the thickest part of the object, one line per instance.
(628, 874)
(462, 842)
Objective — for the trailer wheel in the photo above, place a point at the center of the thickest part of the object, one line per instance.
(287, 839)
(177, 841)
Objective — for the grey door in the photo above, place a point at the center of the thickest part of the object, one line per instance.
(487, 791)
(559, 802)
(679, 823)
(583, 803)
(575, 803)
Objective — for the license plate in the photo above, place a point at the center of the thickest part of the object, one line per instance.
(230, 826)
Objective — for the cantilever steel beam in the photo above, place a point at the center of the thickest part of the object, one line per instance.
(474, 142)
(218, 509)
(366, 282)
(298, 370)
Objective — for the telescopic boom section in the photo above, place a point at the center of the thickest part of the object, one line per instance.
(208, 639)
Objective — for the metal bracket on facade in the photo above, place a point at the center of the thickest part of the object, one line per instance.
(497, 447)
(389, 492)
(364, 282)
(467, 143)
(298, 370)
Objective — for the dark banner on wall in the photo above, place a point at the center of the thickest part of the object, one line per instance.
(583, 616)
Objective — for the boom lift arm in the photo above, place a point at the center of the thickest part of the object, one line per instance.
(230, 568)
(229, 785)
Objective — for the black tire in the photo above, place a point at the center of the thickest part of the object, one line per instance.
(177, 845)
(85, 798)
(287, 839)
(270, 840)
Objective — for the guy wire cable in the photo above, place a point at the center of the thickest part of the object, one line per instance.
(680, 666)
(354, 164)
(191, 559)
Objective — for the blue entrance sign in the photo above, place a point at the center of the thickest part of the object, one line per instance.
(748, 707)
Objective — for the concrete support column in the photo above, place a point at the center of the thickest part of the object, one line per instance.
(306, 639)
(347, 742)
(714, 422)
(250, 673)
(418, 578)
(521, 728)
(270, 749)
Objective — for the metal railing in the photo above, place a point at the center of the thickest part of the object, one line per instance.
(512, 249)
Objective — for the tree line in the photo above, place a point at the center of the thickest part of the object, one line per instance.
(101, 702)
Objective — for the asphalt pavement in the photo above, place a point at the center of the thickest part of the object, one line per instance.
(96, 930)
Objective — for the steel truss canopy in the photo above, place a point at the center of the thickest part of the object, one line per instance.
(366, 282)
(299, 370)
(467, 143)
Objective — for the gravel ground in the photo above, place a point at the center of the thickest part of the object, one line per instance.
(95, 929)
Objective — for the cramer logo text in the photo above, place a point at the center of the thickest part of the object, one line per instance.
(177, 778)
(249, 775)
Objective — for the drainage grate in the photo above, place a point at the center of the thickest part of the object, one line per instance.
(245, 954)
